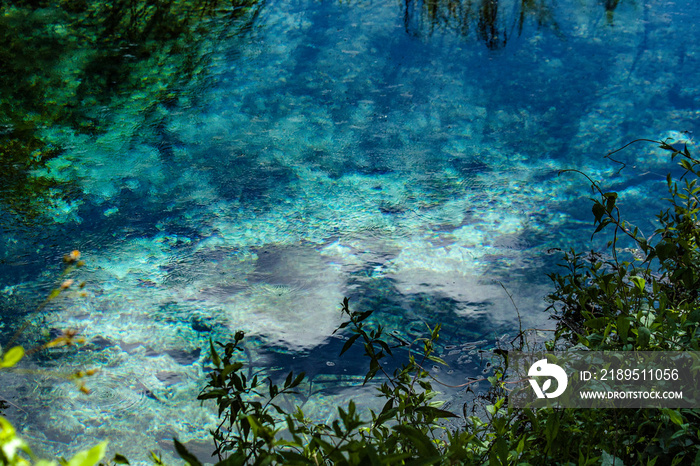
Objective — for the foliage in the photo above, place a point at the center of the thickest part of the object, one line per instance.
(603, 301)
(644, 297)
(640, 294)
(12, 447)
(256, 430)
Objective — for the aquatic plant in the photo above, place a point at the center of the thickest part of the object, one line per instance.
(256, 430)
(640, 294)
(643, 293)
(13, 451)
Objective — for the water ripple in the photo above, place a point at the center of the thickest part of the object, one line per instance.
(109, 393)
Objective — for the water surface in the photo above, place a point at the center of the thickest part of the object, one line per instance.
(402, 154)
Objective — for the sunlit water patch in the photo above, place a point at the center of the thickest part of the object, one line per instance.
(403, 157)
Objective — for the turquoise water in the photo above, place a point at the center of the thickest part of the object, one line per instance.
(373, 150)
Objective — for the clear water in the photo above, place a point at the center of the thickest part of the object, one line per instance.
(395, 153)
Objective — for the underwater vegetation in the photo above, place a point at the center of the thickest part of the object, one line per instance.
(64, 64)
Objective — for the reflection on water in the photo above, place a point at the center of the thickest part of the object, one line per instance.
(250, 173)
(492, 22)
(64, 65)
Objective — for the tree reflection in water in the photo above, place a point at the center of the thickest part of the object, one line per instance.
(492, 22)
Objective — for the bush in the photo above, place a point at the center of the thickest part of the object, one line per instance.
(643, 296)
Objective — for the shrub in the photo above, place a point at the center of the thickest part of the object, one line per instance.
(640, 297)
(645, 296)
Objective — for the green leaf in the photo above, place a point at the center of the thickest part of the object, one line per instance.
(674, 416)
(45, 463)
(217, 392)
(610, 460)
(602, 225)
(639, 282)
(214, 356)
(386, 414)
(521, 446)
(349, 343)
(596, 323)
(610, 199)
(502, 450)
(89, 457)
(437, 360)
(420, 441)
(237, 382)
(186, 455)
(119, 459)
(664, 250)
(623, 327)
(291, 457)
(274, 390)
(598, 211)
(12, 356)
(340, 327)
(236, 459)
(647, 319)
(435, 412)
(298, 380)
(424, 461)
(231, 368)
(289, 379)
(643, 336)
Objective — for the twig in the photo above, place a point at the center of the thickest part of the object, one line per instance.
(520, 322)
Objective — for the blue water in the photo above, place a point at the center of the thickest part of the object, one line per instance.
(360, 149)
